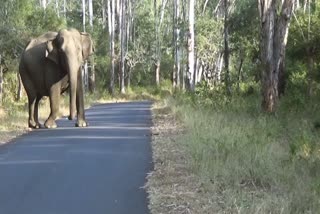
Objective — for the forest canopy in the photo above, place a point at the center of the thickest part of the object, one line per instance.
(203, 46)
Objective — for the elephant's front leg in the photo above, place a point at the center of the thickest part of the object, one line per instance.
(81, 121)
(54, 96)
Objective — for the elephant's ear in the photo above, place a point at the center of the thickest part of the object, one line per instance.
(87, 48)
(52, 52)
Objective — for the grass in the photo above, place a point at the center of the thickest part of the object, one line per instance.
(251, 161)
(14, 115)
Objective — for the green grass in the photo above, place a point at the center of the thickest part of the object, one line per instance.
(255, 162)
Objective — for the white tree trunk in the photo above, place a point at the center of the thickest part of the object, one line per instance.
(57, 8)
(44, 4)
(90, 14)
(191, 38)
(65, 8)
(123, 46)
(84, 15)
(177, 50)
(111, 25)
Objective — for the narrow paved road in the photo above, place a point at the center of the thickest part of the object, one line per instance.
(100, 169)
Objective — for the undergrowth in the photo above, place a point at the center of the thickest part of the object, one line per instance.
(255, 162)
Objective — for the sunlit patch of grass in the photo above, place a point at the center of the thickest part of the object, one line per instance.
(256, 163)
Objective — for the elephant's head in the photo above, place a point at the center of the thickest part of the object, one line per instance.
(69, 50)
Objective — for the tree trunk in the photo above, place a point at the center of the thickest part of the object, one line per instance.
(274, 33)
(123, 47)
(111, 25)
(57, 8)
(44, 4)
(19, 91)
(1, 80)
(90, 13)
(84, 15)
(158, 22)
(65, 9)
(226, 48)
(239, 72)
(191, 43)
(310, 72)
(91, 80)
(177, 51)
(129, 77)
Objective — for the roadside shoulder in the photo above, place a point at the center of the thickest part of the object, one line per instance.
(172, 186)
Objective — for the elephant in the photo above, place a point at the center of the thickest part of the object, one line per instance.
(50, 64)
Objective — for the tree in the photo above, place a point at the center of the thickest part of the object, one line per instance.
(177, 48)
(111, 27)
(226, 47)
(158, 19)
(123, 34)
(191, 50)
(275, 18)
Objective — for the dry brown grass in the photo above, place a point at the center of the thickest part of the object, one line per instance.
(172, 187)
(15, 124)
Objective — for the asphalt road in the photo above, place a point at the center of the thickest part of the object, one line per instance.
(100, 169)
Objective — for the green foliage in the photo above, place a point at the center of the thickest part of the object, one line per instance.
(41, 21)
(209, 39)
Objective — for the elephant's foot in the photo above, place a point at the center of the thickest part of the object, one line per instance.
(34, 125)
(50, 124)
(82, 123)
(72, 116)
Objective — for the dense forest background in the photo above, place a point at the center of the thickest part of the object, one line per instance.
(242, 76)
(151, 43)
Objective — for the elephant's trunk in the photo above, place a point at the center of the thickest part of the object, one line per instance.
(73, 69)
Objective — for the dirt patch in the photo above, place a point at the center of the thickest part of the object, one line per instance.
(6, 136)
(172, 187)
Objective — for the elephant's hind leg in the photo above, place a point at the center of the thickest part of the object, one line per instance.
(32, 103)
(32, 100)
(36, 111)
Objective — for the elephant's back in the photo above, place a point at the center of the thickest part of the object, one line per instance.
(33, 61)
(41, 40)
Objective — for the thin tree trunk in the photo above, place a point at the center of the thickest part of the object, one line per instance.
(44, 4)
(103, 13)
(1, 80)
(123, 46)
(158, 23)
(310, 72)
(19, 91)
(57, 8)
(177, 51)
(239, 73)
(65, 9)
(226, 48)
(191, 44)
(90, 13)
(84, 15)
(92, 77)
(85, 66)
(111, 25)
(129, 78)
